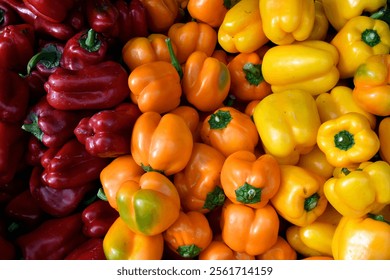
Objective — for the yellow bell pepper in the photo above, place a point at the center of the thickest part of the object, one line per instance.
(364, 238)
(287, 21)
(339, 12)
(338, 102)
(384, 138)
(347, 140)
(241, 22)
(300, 198)
(321, 23)
(310, 65)
(363, 190)
(287, 123)
(360, 38)
(315, 161)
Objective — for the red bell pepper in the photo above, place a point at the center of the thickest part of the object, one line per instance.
(92, 249)
(7, 15)
(14, 96)
(35, 150)
(47, 59)
(108, 132)
(16, 46)
(70, 166)
(54, 239)
(11, 189)
(51, 10)
(58, 202)
(102, 16)
(8, 250)
(99, 86)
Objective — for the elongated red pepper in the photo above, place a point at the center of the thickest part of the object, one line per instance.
(51, 10)
(99, 86)
(108, 132)
(102, 16)
(70, 166)
(92, 249)
(7, 15)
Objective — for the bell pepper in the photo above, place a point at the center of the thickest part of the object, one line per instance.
(8, 250)
(300, 199)
(210, 12)
(62, 166)
(160, 15)
(315, 161)
(247, 81)
(357, 192)
(161, 142)
(339, 12)
(121, 169)
(57, 202)
(53, 239)
(47, 60)
(364, 238)
(287, 21)
(192, 117)
(371, 90)
(310, 65)
(9, 190)
(51, 10)
(254, 225)
(235, 34)
(98, 218)
(250, 180)
(321, 23)
(51, 126)
(121, 243)
(192, 36)
(7, 15)
(98, 86)
(35, 150)
(198, 184)
(229, 130)
(338, 102)
(347, 140)
(107, 133)
(360, 38)
(14, 96)
(384, 138)
(287, 123)
(92, 249)
(281, 250)
(102, 16)
(142, 205)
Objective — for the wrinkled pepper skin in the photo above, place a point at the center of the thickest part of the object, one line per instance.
(250, 180)
(374, 233)
(121, 243)
(141, 204)
(384, 138)
(360, 38)
(310, 65)
(235, 34)
(300, 198)
(347, 140)
(287, 136)
(160, 14)
(92, 249)
(98, 86)
(51, 10)
(287, 21)
(371, 85)
(107, 133)
(62, 166)
(357, 192)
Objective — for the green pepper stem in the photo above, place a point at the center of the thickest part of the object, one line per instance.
(248, 194)
(371, 37)
(189, 251)
(90, 41)
(214, 199)
(344, 140)
(33, 127)
(101, 195)
(49, 56)
(1, 16)
(175, 62)
(220, 119)
(382, 14)
(311, 202)
(253, 73)
(379, 218)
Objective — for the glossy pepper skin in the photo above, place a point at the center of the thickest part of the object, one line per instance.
(92, 249)
(107, 133)
(53, 10)
(287, 136)
(360, 38)
(160, 15)
(250, 180)
(316, 162)
(121, 243)
(281, 250)
(210, 12)
(287, 21)
(141, 204)
(102, 16)
(47, 60)
(384, 138)
(300, 198)
(7, 15)
(371, 91)
(357, 192)
(347, 140)
(98, 86)
(235, 34)
(310, 65)
(373, 230)
(321, 23)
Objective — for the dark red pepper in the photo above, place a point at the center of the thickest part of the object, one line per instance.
(35, 150)
(92, 249)
(99, 86)
(102, 17)
(107, 133)
(70, 166)
(7, 15)
(9, 190)
(8, 250)
(47, 59)
(54, 239)
(51, 10)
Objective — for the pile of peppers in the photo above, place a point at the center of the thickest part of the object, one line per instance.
(192, 129)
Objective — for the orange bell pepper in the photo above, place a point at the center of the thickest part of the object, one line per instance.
(192, 36)
(384, 139)
(161, 143)
(149, 206)
(199, 183)
(250, 180)
(191, 116)
(281, 250)
(160, 14)
(247, 81)
(229, 130)
(249, 230)
(316, 162)
(218, 250)
(211, 12)
(206, 81)
(121, 243)
(121, 169)
(189, 234)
